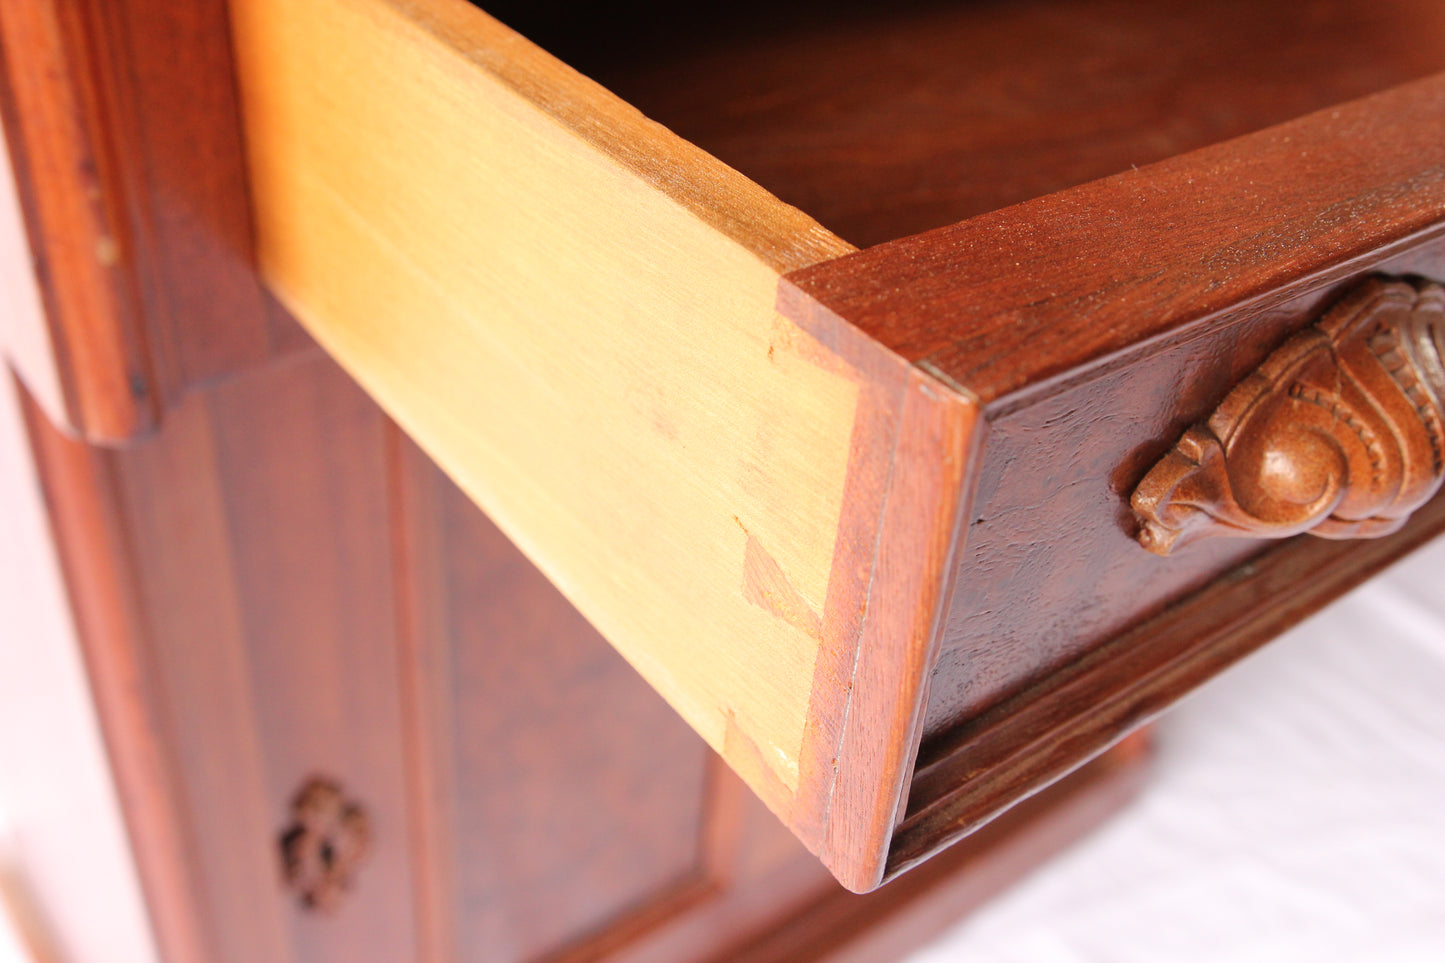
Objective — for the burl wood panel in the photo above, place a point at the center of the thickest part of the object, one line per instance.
(886, 119)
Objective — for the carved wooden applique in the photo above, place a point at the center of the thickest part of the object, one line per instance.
(1338, 433)
(327, 840)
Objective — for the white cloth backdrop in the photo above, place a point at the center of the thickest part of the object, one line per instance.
(1296, 811)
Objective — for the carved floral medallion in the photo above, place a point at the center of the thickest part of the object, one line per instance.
(325, 843)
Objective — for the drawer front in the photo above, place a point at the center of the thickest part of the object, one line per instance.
(832, 505)
(1108, 329)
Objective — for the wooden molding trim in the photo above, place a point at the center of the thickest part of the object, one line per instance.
(95, 558)
(57, 97)
(124, 132)
(891, 922)
(1034, 296)
(976, 772)
(1340, 432)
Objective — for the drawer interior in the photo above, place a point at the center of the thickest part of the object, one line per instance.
(882, 120)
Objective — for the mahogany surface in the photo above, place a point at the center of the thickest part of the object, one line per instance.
(275, 586)
(305, 595)
(1096, 324)
(125, 136)
(883, 120)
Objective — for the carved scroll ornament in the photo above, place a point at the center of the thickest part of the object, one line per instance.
(1338, 433)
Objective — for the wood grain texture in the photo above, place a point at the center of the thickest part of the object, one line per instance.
(233, 576)
(580, 819)
(567, 796)
(25, 335)
(894, 921)
(625, 839)
(1021, 297)
(178, 134)
(1094, 326)
(260, 519)
(1128, 318)
(979, 769)
(883, 120)
(573, 312)
(95, 558)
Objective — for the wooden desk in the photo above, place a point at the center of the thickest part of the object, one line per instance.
(862, 518)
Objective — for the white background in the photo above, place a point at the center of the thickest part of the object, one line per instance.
(1295, 812)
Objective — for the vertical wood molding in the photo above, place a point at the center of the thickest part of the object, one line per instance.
(72, 863)
(25, 335)
(425, 683)
(57, 97)
(96, 563)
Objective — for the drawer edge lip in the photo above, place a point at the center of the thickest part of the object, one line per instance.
(1320, 280)
(1189, 237)
(779, 234)
(860, 750)
(980, 769)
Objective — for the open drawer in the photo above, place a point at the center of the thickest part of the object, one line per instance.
(864, 517)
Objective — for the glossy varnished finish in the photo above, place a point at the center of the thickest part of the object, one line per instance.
(55, 100)
(1339, 433)
(248, 569)
(964, 778)
(578, 315)
(569, 794)
(1094, 326)
(278, 588)
(1019, 299)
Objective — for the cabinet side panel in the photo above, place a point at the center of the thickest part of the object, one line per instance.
(258, 522)
(568, 795)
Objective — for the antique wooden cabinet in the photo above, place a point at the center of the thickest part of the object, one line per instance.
(888, 540)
